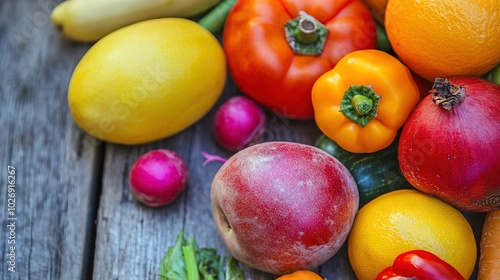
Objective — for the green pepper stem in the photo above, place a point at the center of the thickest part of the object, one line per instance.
(360, 104)
(307, 29)
(306, 35)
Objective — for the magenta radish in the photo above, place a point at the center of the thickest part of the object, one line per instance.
(158, 177)
(238, 123)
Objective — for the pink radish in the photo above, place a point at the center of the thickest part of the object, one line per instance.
(158, 177)
(238, 123)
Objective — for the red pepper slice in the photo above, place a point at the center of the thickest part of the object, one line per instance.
(419, 265)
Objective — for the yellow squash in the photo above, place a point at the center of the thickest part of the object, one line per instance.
(90, 20)
(147, 81)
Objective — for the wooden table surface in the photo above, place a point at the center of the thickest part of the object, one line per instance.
(73, 216)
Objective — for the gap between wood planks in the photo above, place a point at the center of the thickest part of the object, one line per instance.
(97, 177)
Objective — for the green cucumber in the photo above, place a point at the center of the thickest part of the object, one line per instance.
(383, 43)
(375, 173)
(494, 75)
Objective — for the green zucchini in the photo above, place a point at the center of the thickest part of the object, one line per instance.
(375, 173)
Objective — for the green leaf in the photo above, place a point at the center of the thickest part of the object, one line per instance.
(233, 271)
(202, 263)
(172, 266)
(209, 263)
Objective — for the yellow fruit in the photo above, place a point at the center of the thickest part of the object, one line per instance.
(444, 38)
(147, 81)
(404, 220)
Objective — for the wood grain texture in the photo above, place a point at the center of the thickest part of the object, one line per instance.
(76, 218)
(56, 164)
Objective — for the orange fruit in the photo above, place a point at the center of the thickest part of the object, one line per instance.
(404, 220)
(300, 275)
(444, 38)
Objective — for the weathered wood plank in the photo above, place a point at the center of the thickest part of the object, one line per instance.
(63, 175)
(131, 237)
(56, 165)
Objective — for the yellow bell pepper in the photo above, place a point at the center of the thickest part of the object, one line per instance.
(364, 100)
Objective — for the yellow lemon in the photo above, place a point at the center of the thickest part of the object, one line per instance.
(147, 81)
(404, 220)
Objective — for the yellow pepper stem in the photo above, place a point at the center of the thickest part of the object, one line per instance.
(360, 104)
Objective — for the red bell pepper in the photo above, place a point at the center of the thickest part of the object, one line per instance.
(419, 265)
(276, 50)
